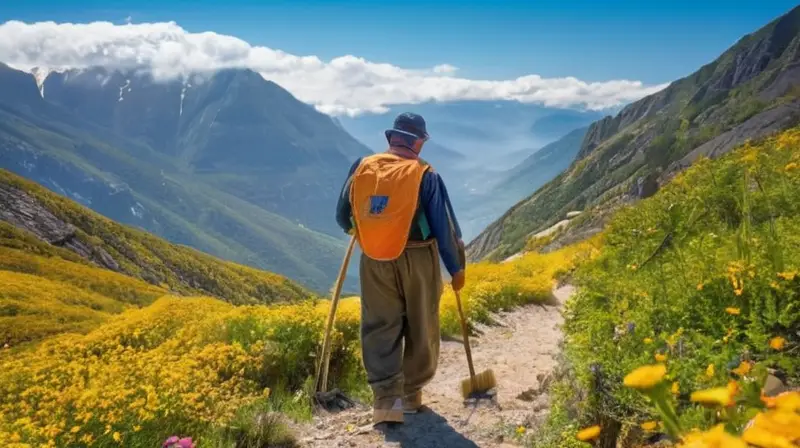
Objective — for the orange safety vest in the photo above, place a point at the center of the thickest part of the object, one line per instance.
(384, 196)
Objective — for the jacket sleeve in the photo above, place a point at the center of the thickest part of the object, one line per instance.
(343, 207)
(441, 220)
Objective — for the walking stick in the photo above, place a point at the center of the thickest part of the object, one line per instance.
(321, 376)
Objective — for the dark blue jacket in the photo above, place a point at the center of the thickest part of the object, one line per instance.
(434, 203)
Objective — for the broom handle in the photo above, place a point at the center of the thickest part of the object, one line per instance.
(326, 344)
(464, 331)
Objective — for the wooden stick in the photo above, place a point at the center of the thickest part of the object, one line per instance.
(464, 332)
(324, 363)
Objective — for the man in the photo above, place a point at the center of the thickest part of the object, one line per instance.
(401, 214)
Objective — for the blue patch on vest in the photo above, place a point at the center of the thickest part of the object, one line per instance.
(377, 204)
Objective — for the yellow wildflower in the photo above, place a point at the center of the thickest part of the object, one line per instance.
(778, 424)
(520, 430)
(137, 428)
(75, 429)
(645, 377)
(117, 437)
(715, 437)
(590, 433)
(789, 276)
(700, 286)
(649, 426)
(788, 401)
(777, 343)
(733, 388)
(716, 396)
(648, 340)
(757, 436)
(733, 311)
(743, 369)
(728, 335)
(661, 357)
(710, 370)
(676, 388)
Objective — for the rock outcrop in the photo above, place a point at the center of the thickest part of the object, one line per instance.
(25, 212)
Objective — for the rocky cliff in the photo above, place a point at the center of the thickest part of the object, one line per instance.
(748, 92)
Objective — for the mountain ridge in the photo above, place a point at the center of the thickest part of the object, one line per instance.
(251, 217)
(745, 88)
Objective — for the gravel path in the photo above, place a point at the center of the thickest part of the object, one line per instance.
(521, 351)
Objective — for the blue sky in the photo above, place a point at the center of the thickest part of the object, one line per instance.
(650, 41)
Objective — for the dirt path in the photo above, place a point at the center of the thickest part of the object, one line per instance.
(521, 352)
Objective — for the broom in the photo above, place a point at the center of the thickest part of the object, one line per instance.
(334, 398)
(476, 386)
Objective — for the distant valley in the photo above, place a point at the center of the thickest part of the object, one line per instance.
(476, 146)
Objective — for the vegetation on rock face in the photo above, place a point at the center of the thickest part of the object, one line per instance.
(701, 278)
(662, 133)
(177, 268)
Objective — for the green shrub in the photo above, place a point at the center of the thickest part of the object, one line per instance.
(703, 276)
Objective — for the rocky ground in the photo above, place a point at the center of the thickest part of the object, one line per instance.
(520, 350)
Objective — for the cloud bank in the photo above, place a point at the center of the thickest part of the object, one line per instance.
(345, 85)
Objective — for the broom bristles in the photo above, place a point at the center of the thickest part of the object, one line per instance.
(484, 381)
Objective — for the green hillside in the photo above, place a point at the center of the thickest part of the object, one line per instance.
(748, 92)
(42, 223)
(702, 277)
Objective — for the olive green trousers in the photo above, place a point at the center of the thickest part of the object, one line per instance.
(400, 321)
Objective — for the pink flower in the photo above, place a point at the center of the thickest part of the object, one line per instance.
(175, 442)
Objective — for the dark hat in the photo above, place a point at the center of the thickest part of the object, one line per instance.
(410, 124)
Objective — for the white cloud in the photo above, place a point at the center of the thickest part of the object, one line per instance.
(344, 85)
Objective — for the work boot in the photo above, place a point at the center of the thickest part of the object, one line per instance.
(387, 410)
(412, 402)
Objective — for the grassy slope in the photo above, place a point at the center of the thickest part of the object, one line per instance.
(691, 111)
(139, 254)
(44, 296)
(704, 273)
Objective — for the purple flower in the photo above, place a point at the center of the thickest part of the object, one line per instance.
(186, 442)
(175, 442)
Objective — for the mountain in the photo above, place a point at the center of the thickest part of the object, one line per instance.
(235, 131)
(230, 164)
(748, 92)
